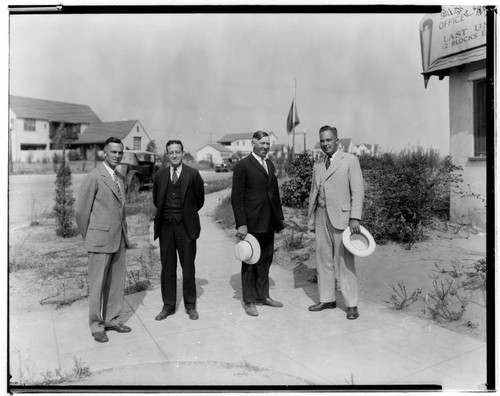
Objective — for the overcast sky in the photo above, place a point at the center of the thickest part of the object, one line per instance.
(199, 76)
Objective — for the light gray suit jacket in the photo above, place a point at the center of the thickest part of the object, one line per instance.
(344, 190)
(99, 215)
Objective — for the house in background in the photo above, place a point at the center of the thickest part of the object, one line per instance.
(132, 134)
(347, 146)
(242, 142)
(458, 50)
(34, 124)
(214, 153)
(279, 150)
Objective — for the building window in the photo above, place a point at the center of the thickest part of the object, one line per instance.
(29, 124)
(137, 143)
(480, 118)
(28, 147)
(137, 128)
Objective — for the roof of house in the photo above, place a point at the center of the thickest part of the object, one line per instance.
(99, 132)
(232, 137)
(42, 109)
(218, 147)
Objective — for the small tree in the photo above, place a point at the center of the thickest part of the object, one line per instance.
(63, 209)
(151, 147)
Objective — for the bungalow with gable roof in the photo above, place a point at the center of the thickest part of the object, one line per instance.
(131, 132)
(214, 153)
(34, 125)
(242, 142)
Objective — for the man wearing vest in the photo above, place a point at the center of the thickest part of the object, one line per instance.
(178, 194)
(335, 203)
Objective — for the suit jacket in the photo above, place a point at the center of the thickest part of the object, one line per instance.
(192, 197)
(99, 214)
(344, 190)
(255, 196)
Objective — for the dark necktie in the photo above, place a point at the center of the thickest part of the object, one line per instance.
(174, 176)
(327, 163)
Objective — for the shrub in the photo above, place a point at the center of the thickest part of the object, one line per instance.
(295, 191)
(445, 303)
(400, 299)
(63, 209)
(403, 190)
(74, 155)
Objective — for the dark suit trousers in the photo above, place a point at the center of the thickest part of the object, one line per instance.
(173, 240)
(255, 278)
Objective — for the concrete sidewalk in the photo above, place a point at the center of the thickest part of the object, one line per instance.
(282, 346)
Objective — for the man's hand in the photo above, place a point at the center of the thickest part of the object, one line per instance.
(242, 231)
(354, 224)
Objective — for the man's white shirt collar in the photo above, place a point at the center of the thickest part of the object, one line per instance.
(108, 168)
(179, 170)
(258, 158)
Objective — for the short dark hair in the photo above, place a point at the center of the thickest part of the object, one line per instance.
(328, 128)
(170, 142)
(112, 139)
(259, 135)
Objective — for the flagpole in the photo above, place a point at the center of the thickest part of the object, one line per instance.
(293, 115)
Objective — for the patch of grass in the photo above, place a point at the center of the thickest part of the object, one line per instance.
(26, 375)
(223, 213)
(143, 204)
(400, 299)
(218, 185)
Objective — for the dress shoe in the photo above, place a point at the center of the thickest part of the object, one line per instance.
(251, 310)
(269, 301)
(163, 314)
(120, 328)
(193, 314)
(321, 306)
(352, 313)
(100, 336)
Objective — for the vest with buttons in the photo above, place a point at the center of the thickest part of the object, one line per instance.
(173, 204)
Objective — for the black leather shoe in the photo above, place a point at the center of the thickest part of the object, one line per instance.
(120, 328)
(100, 336)
(250, 309)
(352, 313)
(321, 306)
(163, 314)
(269, 301)
(193, 314)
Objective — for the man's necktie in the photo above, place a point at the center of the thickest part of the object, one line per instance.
(115, 178)
(263, 162)
(327, 163)
(174, 176)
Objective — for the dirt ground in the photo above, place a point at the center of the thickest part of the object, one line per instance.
(447, 254)
(54, 269)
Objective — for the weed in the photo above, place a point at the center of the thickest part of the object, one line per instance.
(293, 241)
(400, 299)
(455, 272)
(445, 303)
(139, 280)
(350, 381)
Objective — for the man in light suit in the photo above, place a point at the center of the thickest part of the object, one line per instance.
(335, 203)
(178, 194)
(257, 210)
(100, 216)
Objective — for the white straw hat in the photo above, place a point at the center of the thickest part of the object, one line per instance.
(361, 244)
(248, 250)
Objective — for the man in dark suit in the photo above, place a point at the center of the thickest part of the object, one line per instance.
(100, 216)
(178, 194)
(257, 210)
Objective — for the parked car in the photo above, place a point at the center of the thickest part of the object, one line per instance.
(222, 168)
(139, 169)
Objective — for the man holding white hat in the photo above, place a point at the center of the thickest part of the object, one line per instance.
(335, 203)
(258, 215)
